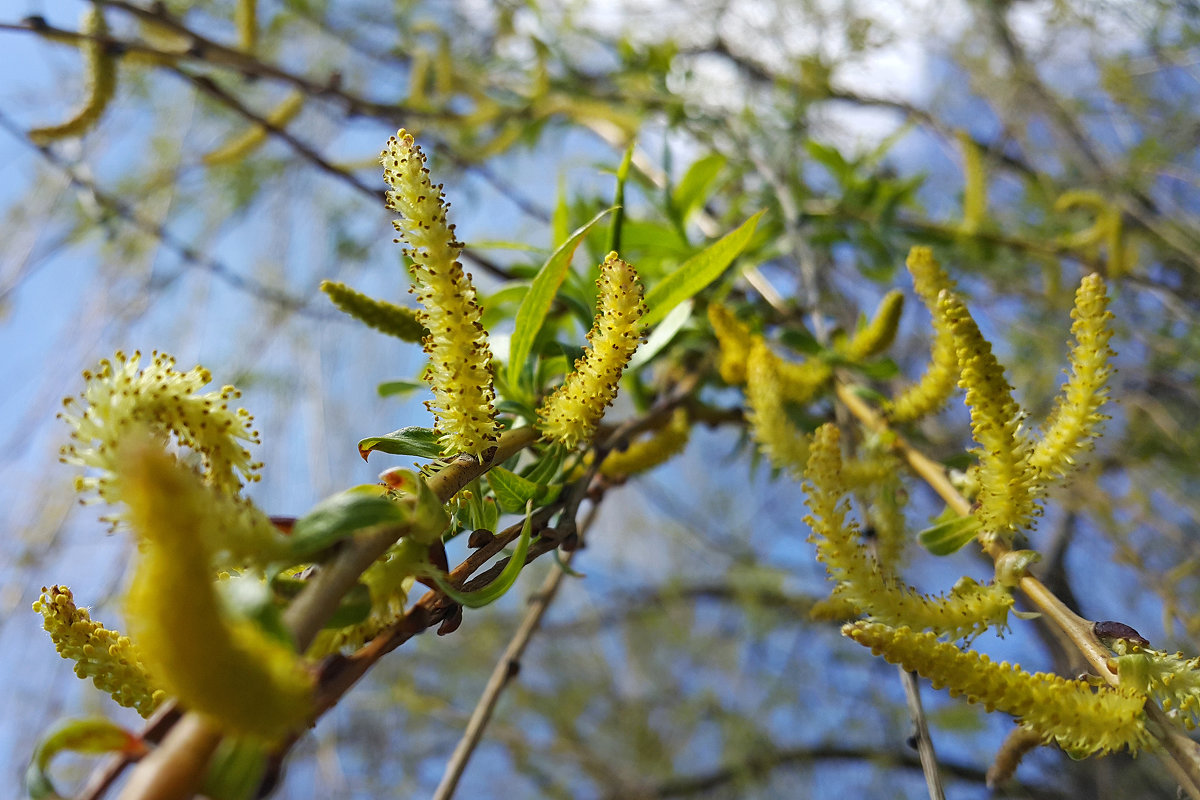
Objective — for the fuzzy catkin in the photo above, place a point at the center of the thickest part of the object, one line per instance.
(243, 144)
(1008, 489)
(935, 386)
(648, 452)
(223, 667)
(104, 655)
(873, 587)
(877, 335)
(381, 315)
(570, 415)
(122, 398)
(460, 359)
(100, 79)
(734, 338)
(1076, 418)
(1083, 720)
(777, 436)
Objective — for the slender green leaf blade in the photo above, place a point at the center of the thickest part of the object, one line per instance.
(536, 304)
(410, 441)
(693, 190)
(511, 490)
(343, 515)
(698, 271)
(949, 536)
(87, 736)
(507, 577)
(393, 388)
(661, 336)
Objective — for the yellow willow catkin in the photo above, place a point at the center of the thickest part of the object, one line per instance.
(570, 415)
(734, 338)
(777, 436)
(103, 655)
(381, 315)
(1076, 418)
(223, 667)
(1007, 499)
(100, 79)
(650, 451)
(1015, 747)
(1170, 678)
(975, 185)
(935, 386)
(873, 587)
(246, 18)
(460, 360)
(243, 144)
(1083, 720)
(880, 332)
(120, 398)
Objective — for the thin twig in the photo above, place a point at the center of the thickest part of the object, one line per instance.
(505, 670)
(916, 712)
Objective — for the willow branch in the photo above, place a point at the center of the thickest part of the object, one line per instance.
(505, 671)
(1182, 755)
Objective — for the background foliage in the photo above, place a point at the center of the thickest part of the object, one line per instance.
(684, 664)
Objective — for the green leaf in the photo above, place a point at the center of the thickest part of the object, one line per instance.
(87, 736)
(236, 770)
(248, 596)
(537, 302)
(561, 216)
(697, 182)
(507, 577)
(343, 515)
(698, 271)
(410, 441)
(949, 536)
(546, 467)
(881, 370)
(618, 220)
(393, 388)
(352, 609)
(662, 335)
(512, 491)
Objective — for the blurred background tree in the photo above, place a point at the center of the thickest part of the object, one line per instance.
(235, 168)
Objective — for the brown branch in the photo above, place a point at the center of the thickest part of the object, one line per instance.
(761, 765)
(506, 669)
(149, 227)
(916, 712)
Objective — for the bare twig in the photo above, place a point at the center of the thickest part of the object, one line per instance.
(912, 695)
(506, 669)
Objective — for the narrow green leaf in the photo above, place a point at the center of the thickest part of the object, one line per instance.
(411, 441)
(394, 388)
(546, 467)
(949, 536)
(352, 609)
(87, 736)
(236, 770)
(511, 490)
(696, 184)
(698, 271)
(618, 220)
(343, 515)
(561, 216)
(662, 335)
(507, 577)
(536, 304)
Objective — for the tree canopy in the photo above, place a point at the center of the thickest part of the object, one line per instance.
(672, 424)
